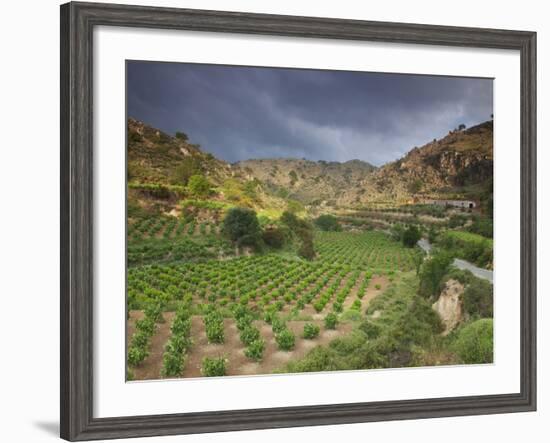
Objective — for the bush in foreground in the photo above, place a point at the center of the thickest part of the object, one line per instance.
(474, 342)
(255, 349)
(213, 367)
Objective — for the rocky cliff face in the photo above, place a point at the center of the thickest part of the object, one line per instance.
(449, 305)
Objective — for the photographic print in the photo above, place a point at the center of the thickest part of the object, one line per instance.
(297, 220)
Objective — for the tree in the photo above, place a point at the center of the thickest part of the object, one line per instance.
(274, 237)
(303, 230)
(241, 226)
(307, 250)
(199, 186)
(328, 222)
(182, 136)
(431, 273)
(461, 127)
(411, 236)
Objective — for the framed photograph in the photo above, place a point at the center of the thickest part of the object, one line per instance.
(272, 221)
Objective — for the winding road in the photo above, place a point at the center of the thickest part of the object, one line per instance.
(460, 264)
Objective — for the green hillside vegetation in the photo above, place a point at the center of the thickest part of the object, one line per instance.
(468, 246)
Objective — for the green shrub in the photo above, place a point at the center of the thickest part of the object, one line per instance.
(213, 367)
(317, 360)
(331, 320)
(154, 312)
(370, 329)
(199, 186)
(416, 325)
(311, 330)
(277, 324)
(474, 342)
(478, 298)
(348, 344)
(285, 340)
(411, 235)
(255, 349)
(213, 322)
(172, 363)
(468, 246)
(482, 226)
(136, 355)
(140, 339)
(249, 335)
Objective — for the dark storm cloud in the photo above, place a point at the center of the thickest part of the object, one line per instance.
(238, 113)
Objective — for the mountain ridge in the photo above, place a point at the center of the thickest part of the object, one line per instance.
(455, 166)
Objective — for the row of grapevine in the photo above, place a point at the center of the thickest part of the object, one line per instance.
(145, 328)
(249, 334)
(175, 350)
(168, 228)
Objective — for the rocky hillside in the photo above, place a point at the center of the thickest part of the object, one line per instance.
(304, 180)
(156, 157)
(458, 165)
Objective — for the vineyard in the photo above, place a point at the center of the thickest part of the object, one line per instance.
(196, 308)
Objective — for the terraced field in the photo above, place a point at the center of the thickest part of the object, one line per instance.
(251, 314)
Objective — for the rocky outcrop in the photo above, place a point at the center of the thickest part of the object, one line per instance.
(449, 305)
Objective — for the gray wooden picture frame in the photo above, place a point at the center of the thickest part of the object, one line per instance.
(77, 23)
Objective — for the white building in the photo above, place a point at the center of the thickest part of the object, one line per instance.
(467, 204)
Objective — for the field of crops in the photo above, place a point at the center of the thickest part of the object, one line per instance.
(192, 313)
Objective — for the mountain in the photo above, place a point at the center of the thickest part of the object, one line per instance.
(459, 165)
(306, 181)
(156, 157)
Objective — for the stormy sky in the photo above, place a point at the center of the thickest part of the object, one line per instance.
(238, 113)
